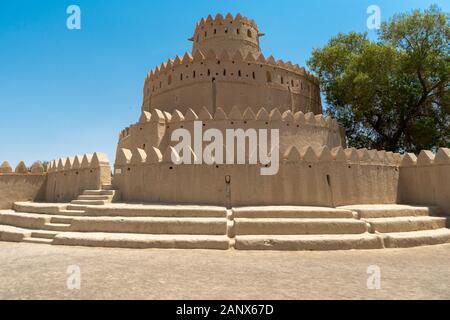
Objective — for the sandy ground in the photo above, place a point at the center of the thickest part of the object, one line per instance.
(35, 271)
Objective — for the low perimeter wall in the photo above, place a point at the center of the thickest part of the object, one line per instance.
(426, 179)
(69, 177)
(311, 177)
(21, 184)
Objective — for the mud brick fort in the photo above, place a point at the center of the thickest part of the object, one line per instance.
(325, 196)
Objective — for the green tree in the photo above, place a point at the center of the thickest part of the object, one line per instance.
(392, 93)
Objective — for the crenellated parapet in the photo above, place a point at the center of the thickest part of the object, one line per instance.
(225, 56)
(21, 183)
(227, 68)
(21, 169)
(308, 154)
(68, 177)
(307, 176)
(425, 179)
(207, 78)
(295, 129)
(230, 32)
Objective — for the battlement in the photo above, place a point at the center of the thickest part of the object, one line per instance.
(426, 158)
(307, 176)
(233, 33)
(219, 19)
(425, 178)
(155, 128)
(275, 115)
(227, 68)
(21, 169)
(69, 177)
(225, 55)
(308, 154)
(86, 161)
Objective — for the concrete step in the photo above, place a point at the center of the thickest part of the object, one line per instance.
(59, 219)
(43, 234)
(77, 207)
(285, 226)
(416, 238)
(308, 242)
(143, 241)
(90, 202)
(98, 192)
(95, 197)
(138, 210)
(107, 187)
(14, 234)
(36, 207)
(151, 225)
(291, 212)
(23, 219)
(392, 210)
(406, 224)
(76, 213)
(57, 227)
(37, 240)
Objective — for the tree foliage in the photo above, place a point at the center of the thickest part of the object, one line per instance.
(392, 93)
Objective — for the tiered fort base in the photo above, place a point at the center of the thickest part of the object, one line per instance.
(93, 220)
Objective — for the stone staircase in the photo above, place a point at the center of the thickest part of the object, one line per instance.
(87, 222)
(96, 197)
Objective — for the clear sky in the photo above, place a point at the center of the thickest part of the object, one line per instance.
(65, 92)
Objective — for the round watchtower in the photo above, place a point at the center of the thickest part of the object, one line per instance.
(229, 33)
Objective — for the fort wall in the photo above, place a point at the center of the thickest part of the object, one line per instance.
(426, 179)
(295, 129)
(69, 177)
(223, 79)
(21, 184)
(316, 177)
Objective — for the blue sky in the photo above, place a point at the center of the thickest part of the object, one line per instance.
(65, 92)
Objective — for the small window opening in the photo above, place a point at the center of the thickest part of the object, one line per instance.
(268, 76)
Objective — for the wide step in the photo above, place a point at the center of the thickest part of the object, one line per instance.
(416, 238)
(141, 241)
(406, 224)
(392, 210)
(151, 225)
(290, 212)
(136, 210)
(35, 207)
(308, 242)
(283, 226)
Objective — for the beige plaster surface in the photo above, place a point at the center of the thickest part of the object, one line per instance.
(33, 271)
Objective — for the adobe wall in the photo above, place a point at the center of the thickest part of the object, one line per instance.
(299, 129)
(231, 33)
(69, 177)
(310, 177)
(224, 79)
(426, 179)
(21, 185)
